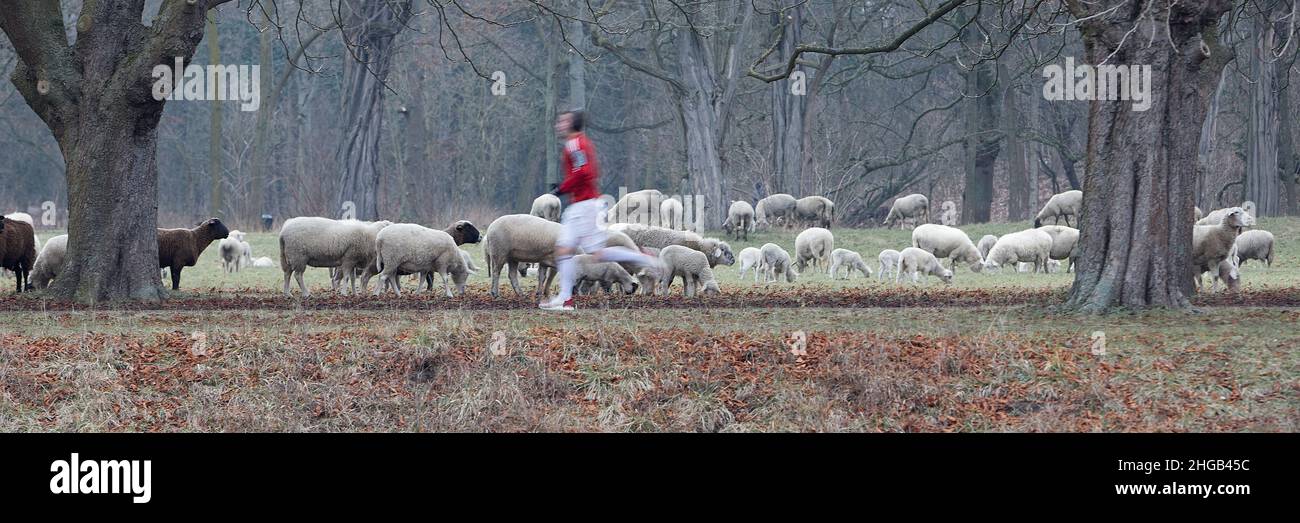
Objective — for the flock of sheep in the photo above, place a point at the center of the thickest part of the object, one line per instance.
(650, 222)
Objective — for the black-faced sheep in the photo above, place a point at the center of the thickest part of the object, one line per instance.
(17, 249)
(916, 262)
(49, 262)
(740, 220)
(948, 242)
(817, 211)
(1064, 205)
(915, 207)
(814, 245)
(850, 261)
(180, 248)
(348, 245)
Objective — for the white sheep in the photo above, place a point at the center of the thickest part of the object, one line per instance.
(1228, 273)
(751, 258)
(1255, 244)
(636, 207)
(691, 265)
(407, 248)
(987, 242)
(851, 261)
(520, 238)
(263, 262)
(310, 241)
(546, 207)
(718, 251)
(774, 208)
(814, 244)
(948, 242)
(1065, 242)
(814, 210)
(232, 254)
(915, 207)
(1216, 216)
(776, 261)
(590, 271)
(1029, 246)
(670, 213)
(1064, 205)
(888, 259)
(1211, 244)
(740, 220)
(915, 262)
(49, 262)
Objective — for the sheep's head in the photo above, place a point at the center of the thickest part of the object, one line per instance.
(464, 232)
(722, 254)
(217, 229)
(711, 287)
(629, 286)
(992, 266)
(946, 276)
(1239, 218)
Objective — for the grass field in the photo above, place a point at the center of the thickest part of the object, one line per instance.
(876, 357)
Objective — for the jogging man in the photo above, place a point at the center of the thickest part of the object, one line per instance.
(580, 224)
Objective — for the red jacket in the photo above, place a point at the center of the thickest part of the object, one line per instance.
(580, 169)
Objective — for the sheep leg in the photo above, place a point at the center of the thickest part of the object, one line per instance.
(545, 286)
(287, 275)
(445, 285)
(513, 275)
(301, 286)
(688, 283)
(176, 278)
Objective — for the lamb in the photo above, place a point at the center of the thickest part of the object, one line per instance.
(263, 262)
(670, 213)
(180, 248)
(1064, 243)
(986, 243)
(751, 259)
(636, 207)
(814, 210)
(915, 207)
(520, 238)
(814, 244)
(310, 241)
(1253, 245)
(691, 265)
(849, 260)
(232, 254)
(647, 280)
(1229, 274)
(546, 207)
(50, 262)
(1029, 246)
(17, 250)
(889, 259)
(948, 242)
(775, 207)
(718, 251)
(916, 262)
(591, 271)
(740, 220)
(407, 248)
(776, 261)
(1063, 205)
(1211, 244)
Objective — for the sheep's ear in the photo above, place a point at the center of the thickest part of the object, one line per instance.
(717, 252)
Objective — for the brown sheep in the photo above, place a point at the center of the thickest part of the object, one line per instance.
(179, 248)
(17, 249)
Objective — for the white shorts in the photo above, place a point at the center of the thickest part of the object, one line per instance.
(582, 226)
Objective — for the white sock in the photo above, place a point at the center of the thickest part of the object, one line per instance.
(568, 268)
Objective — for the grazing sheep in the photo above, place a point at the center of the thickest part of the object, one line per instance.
(520, 238)
(915, 207)
(670, 213)
(1211, 244)
(775, 207)
(691, 265)
(718, 251)
(986, 243)
(776, 261)
(814, 210)
(915, 262)
(232, 254)
(814, 244)
(407, 248)
(740, 220)
(1229, 274)
(1029, 246)
(263, 262)
(1253, 245)
(637, 207)
(948, 242)
(50, 262)
(180, 248)
(849, 260)
(647, 279)
(1064, 205)
(349, 245)
(751, 259)
(591, 271)
(546, 207)
(1064, 243)
(888, 263)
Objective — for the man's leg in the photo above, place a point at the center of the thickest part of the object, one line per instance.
(568, 267)
(626, 255)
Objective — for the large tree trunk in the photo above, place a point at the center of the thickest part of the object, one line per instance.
(1262, 181)
(982, 143)
(1287, 162)
(370, 27)
(1137, 212)
(700, 124)
(788, 117)
(1019, 197)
